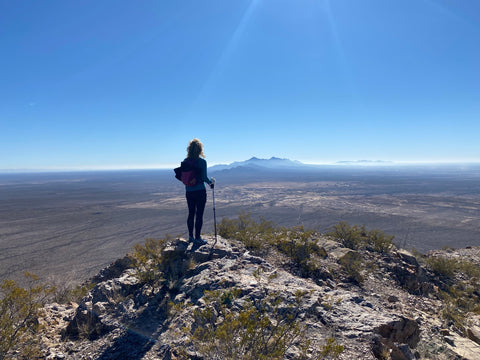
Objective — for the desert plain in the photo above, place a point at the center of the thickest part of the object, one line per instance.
(65, 227)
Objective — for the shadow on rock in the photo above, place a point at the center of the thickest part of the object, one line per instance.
(131, 346)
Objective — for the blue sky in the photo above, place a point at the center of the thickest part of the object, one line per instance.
(119, 84)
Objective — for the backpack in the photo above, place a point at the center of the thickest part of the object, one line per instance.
(188, 172)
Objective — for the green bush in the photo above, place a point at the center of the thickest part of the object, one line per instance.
(351, 263)
(301, 247)
(442, 266)
(332, 348)
(379, 241)
(356, 237)
(459, 303)
(349, 236)
(460, 280)
(254, 235)
(20, 330)
(68, 293)
(449, 267)
(147, 258)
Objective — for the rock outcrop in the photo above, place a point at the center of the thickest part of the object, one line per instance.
(393, 313)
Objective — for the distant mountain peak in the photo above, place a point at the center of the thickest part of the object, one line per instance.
(255, 162)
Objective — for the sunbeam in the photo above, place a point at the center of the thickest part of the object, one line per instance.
(345, 68)
(226, 54)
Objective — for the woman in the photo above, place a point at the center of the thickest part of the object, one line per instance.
(197, 195)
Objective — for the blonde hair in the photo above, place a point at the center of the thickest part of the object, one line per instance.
(195, 149)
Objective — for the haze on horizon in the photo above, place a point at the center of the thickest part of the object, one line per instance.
(119, 85)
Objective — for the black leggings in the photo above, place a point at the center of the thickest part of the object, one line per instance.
(196, 201)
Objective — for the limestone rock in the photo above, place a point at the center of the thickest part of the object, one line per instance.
(86, 323)
(473, 334)
(463, 348)
(402, 330)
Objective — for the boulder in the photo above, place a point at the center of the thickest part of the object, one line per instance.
(397, 337)
(85, 324)
(473, 334)
(403, 331)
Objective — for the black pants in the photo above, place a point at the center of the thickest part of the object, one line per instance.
(196, 201)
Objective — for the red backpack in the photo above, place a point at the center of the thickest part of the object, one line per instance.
(188, 172)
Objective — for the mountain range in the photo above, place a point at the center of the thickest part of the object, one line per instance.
(254, 162)
(275, 163)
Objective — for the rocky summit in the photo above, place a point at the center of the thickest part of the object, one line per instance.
(390, 305)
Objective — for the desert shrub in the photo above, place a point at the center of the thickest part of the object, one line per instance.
(455, 310)
(147, 258)
(356, 237)
(470, 269)
(442, 266)
(449, 267)
(66, 294)
(379, 241)
(228, 228)
(232, 328)
(331, 349)
(349, 236)
(351, 263)
(460, 281)
(254, 235)
(19, 311)
(301, 247)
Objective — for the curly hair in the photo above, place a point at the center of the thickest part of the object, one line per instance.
(195, 149)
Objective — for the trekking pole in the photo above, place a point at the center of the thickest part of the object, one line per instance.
(214, 215)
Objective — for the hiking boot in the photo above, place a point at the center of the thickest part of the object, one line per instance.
(191, 239)
(199, 242)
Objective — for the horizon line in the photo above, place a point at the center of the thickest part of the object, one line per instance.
(356, 163)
